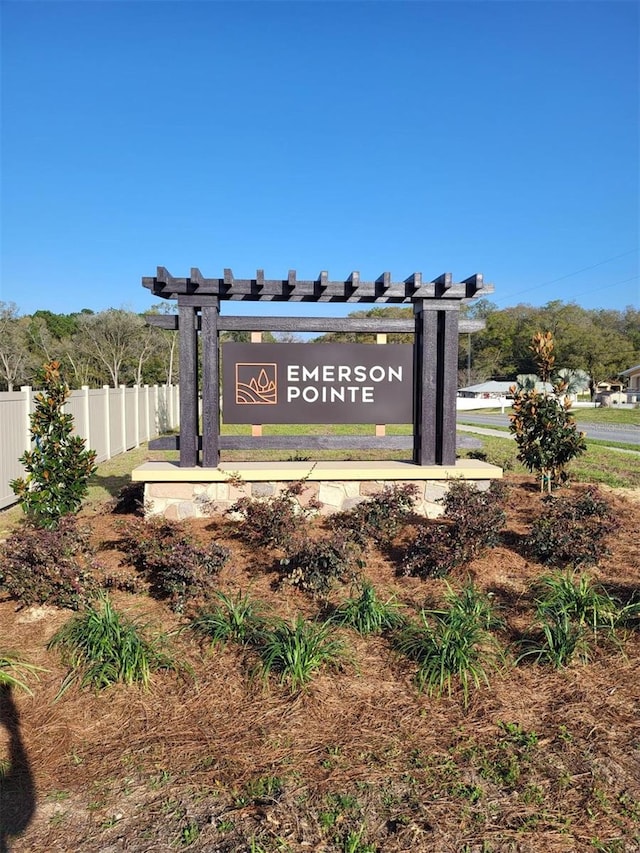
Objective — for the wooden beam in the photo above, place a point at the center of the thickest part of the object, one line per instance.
(312, 324)
(322, 289)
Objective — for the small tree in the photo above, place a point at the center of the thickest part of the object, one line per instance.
(543, 427)
(58, 467)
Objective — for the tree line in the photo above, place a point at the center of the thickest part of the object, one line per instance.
(116, 346)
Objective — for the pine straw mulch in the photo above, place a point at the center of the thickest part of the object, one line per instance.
(218, 761)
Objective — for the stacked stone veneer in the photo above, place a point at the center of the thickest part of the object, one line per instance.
(181, 500)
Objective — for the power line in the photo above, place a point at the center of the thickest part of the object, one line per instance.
(577, 272)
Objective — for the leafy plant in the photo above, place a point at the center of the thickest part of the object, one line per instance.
(585, 601)
(274, 521)
(477, 516)
(378, 518)
(318, 563)
(129, 500)
(295, 651)
(560, 641)
(475, 519)
(452, 644)
(366, 614)
(432, 553)
(101, 647)
(49, 566)
(167, 557)
(14, 671)
(237, 619)
(58, 467)
(571, 610)
(572, 529)
(541, 423)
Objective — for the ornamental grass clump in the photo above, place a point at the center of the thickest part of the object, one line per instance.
(238, 619)
(452, 645)
(58, 466)
(102, 647)
(295, 651)
(14, 672)
(572, 612)
(366, 613)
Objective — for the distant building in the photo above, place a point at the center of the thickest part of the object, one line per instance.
(487, 390)
(633, 388)
(610, 393)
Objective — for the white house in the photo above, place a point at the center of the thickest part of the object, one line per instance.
(633, 387)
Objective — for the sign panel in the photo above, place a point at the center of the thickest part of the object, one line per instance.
(317, 383)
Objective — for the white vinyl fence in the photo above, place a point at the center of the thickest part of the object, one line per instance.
(111, 420)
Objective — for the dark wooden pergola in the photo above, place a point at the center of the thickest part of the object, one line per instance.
(436, 324)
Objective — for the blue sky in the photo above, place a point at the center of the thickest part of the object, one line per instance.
(496, 137)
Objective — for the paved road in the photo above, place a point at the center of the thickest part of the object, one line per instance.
(628, 434)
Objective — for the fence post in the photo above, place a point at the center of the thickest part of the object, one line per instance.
(136, 415)
(86, 415)
(123, 416)
(147, 423)
(156, 409)
(27, 391)
(107, 419)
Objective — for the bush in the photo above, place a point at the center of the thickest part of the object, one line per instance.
(129, 500)
(275, 521)
(477, 516)
(176, 568)
(572, 529)
(101, 648)
(432, 553)
(316, 564)
(475, 519)
(58, 467)
(378, 518)
(42, 566)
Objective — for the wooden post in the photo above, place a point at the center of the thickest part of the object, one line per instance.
(381, 429)
(256, 429)
(448, 383)
(188, 384)
(425, 358)
(436, 383)
(210, 384)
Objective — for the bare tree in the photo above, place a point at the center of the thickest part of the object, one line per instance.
(113, 339)
(14, 350)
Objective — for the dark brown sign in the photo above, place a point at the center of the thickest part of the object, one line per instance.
(317, 383)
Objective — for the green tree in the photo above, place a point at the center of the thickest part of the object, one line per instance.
(58, 467)
(543, 427)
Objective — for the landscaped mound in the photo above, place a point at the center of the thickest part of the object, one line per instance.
(316, 697)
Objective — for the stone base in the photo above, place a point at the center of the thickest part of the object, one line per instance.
(180, 493)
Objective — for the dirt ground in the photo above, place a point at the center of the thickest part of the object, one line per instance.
(540, 761)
